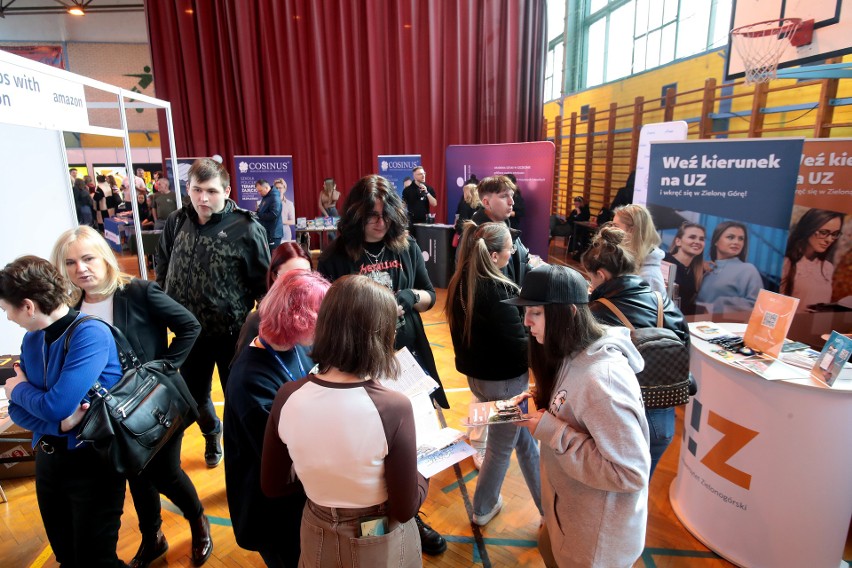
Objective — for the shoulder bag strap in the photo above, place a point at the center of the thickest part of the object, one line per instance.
(659, 308)
(617, 313)
(126, 355)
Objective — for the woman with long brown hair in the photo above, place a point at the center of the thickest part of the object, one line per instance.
(482, 327)
(687, 254)
(595, 460)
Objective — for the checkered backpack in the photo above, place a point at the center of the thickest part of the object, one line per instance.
(665, 378)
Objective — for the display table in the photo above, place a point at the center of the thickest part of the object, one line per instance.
(436, 242)
(118, 231)
(322, 231)
(765, 466)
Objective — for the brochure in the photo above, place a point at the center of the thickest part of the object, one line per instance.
(496, 412)
(769, 322)
(707, 330)
(437, 448)
(770, 368)
(301, 222)
(830, 361)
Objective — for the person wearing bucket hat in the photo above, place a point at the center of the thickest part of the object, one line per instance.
(595, 457)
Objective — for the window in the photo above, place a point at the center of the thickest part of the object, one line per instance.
(554, 64)
(619, 38)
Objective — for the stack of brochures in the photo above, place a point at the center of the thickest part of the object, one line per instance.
(437, 448)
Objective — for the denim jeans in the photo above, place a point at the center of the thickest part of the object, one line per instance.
(661, 423)
(502, 439)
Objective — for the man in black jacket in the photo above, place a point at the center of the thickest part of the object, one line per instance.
(497, 196)
(419, 197)
(212, 258)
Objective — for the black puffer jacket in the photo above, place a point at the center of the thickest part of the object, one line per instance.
(632, 295)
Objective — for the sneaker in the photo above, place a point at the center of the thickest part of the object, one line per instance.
(431, 540)
(483, 520)
(478, 458)
(213, 448)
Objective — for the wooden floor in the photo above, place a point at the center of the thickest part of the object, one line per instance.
(509, 540)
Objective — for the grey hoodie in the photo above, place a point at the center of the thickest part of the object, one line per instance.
(595, 459)
(651, 270)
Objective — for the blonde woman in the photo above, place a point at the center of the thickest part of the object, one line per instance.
(144, 313)
(644, 242)
(467, 206)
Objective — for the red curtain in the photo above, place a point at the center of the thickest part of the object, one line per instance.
(337, 83)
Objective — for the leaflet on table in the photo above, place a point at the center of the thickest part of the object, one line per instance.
(707, 330)
(805, 358)
(770, 368)
(834, 355)
(769, 322)
(301, 222)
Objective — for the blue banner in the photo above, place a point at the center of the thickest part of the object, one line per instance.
(753, 181)
(738, 196)
(248, 170)
(183, 176)
(397, 167)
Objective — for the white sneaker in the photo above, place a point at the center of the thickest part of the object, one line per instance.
(478, 458)
(483, 520)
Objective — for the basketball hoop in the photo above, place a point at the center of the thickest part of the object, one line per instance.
(760, 45)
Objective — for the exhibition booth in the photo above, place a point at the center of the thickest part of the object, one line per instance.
(763, 476)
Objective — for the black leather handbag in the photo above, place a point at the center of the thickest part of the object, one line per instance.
(129, 423)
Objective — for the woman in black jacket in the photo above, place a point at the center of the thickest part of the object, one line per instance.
(612, 270)
(482, 326)
(144, 313)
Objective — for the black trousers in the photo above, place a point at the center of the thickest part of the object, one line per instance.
(81, 499)
(197, 371)
(164, 475)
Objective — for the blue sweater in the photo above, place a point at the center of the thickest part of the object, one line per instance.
(56, 386)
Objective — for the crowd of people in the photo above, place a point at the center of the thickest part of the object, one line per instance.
(299, 371)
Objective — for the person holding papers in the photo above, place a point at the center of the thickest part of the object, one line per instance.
(277, 355)
(374, 242)
(349, 440)
(595, 461)
(481, 326)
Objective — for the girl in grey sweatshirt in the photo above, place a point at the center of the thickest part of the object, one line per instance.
(595, 459)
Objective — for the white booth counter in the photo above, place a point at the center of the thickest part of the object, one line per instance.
(765, 471)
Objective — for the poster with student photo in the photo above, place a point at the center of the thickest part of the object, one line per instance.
(818, 257)
(723, 210)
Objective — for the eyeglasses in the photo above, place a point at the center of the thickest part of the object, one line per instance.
(826, 234)
(513, 250)
(374, 216)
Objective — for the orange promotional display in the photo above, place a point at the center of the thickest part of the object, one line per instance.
(769, 322)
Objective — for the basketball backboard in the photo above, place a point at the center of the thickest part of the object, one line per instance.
(832, 34)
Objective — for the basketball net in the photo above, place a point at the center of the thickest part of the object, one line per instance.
(760, 47)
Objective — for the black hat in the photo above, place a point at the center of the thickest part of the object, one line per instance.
(552, 284)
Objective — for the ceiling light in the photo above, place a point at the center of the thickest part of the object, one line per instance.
(76, 11)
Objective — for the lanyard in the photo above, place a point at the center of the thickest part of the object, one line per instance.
(281, 361)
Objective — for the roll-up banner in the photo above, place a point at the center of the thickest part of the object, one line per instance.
(532, 165)
(740, 194)
(397, 167)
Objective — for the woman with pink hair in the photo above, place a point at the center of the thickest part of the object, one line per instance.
(277, 355)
